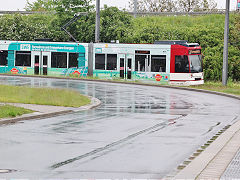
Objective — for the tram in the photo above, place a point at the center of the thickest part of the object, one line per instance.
(164, 62)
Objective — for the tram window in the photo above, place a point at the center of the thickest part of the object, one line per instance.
(140, 62)
(111, 62)
(23, 58)
(158, 63)
(3, 58)
(73, 60)
(181, 64)
(59, 60)
(100, 61)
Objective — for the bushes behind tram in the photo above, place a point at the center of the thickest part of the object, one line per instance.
(208, 30)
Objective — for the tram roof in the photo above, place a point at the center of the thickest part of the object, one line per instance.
(179, 42)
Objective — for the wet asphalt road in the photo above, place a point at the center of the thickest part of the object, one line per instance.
(137, 132)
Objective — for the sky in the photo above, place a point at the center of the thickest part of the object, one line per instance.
(14, 5)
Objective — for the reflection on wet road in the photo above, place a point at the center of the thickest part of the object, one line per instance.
(137, 132)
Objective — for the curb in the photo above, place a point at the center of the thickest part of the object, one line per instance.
(94, 103)
(30, 117)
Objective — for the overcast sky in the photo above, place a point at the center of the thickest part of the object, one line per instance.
(13, 5)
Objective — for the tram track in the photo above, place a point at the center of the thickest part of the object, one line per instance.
(114, 144)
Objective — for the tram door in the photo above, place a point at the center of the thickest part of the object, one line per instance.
(122, 68)
(129, 68)
(36, 64)
(45, 64)
(40, 60)
(126, 67)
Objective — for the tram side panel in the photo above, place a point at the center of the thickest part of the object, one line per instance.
(153, 64)
(105, 61)
(143, 62)
(43, 58)
(7, 57)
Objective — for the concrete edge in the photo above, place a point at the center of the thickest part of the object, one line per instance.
(94, 103)
(30, 117)
(200, 163)
(130, 83)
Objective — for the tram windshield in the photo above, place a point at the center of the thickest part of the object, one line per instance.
(196, 63)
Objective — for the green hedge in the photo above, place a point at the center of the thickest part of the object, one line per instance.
(208, 30)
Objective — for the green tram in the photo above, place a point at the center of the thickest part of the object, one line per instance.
(165, 62)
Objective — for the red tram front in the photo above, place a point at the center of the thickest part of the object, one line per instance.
(186, 64)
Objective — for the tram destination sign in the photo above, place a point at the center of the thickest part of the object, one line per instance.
(51, 48)
(43, 47)
(195, 51)
(142, 52)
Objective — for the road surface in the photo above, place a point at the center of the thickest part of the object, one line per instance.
(137, 132)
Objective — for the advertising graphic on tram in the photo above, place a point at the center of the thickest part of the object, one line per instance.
(164, 62)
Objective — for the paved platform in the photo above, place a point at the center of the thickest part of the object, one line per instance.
(233, 169)
(220, 160)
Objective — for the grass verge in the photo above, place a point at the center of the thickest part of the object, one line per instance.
(12, 111)
(42, 96)
(231, 88)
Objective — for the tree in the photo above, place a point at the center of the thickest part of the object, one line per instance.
(30, 27)
(208, 5)
(62, 7)
(41, 5)
(188, 5)
(115, 25)
(71, 7)
(196, 5)
(67, 9)
(173, 5)
(154, 5)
